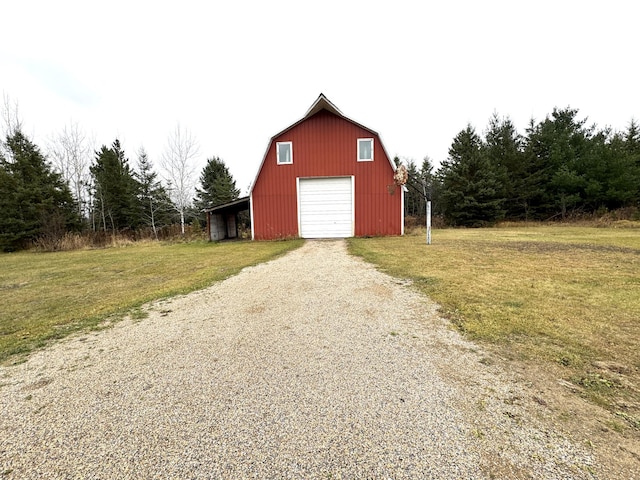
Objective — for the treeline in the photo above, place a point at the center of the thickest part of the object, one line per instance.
(99, 191)
(560, 166)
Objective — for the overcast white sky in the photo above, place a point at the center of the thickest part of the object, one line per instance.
(237, 72)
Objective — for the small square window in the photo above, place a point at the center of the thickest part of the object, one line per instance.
(284, 153)
(365, 149)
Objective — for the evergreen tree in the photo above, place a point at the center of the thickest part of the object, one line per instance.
(414, 196)
(12, 228)
(593, 171)
(427, 177)
(432, 186)
(632, 140)
(422, 185)
(537, 173)
(632, 154)
(609, 176)
(116, 196)
(503, 148)
(34, 200)
(155, 202)
(470, 188)
(217, 185)
(556, 152)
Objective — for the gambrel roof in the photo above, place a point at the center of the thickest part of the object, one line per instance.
(321, 103)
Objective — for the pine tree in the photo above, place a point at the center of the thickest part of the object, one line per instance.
(427, 176)
(632, 139)
(470, 188)
(217, 185)
(414, 196)
(622, 173)
(534, 194)
(432, 187)
(503, 148)
(116, 195)
(632, 151)
(34, 200)
(155, 202)
(556, 153)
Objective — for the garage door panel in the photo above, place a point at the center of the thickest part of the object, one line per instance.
(326, 207)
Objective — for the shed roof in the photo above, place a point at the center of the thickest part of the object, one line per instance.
(235, 206)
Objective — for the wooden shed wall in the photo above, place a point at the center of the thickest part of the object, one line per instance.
(325, 145)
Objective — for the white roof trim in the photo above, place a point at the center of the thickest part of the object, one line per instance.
(322, 103)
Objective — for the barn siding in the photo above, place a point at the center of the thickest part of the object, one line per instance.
(324, 145)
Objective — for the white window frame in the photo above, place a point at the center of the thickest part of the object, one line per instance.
(365, 159)
(278, 153)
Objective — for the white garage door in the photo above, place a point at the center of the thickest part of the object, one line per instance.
(325, 207)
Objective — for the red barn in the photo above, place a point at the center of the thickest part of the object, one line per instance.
(326, 176)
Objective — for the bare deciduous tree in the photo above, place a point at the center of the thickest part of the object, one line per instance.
(71, 151)
(11, 121)
(177, 165)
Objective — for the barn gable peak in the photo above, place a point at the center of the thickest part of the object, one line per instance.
(322, 103)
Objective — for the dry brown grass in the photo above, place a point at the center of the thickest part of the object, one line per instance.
(563, 298)
(68, 241)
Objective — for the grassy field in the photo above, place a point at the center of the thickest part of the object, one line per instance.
(566, 298)
(48, 295)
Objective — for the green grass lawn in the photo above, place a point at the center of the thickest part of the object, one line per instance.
(564, 297)
(48, 295)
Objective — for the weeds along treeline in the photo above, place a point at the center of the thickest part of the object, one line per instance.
(74, 197)
(560, 167)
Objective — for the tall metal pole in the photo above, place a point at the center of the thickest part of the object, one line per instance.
(428, 205)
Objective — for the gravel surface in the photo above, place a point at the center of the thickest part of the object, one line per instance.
(314, 365)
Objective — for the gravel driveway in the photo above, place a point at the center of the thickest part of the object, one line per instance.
(314, 365)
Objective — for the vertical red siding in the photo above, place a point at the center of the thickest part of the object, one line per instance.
(324, 145)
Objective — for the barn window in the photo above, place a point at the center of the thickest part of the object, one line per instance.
(284, 152)
(365, 149)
